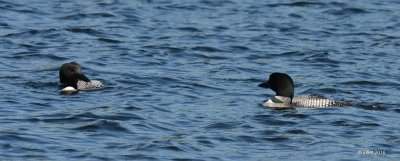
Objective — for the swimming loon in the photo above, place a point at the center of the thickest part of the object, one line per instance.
(282, 84)
(72, 79)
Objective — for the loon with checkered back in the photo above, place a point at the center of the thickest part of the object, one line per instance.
(282, 84)
(72, 79)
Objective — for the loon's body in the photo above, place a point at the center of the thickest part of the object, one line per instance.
(282, 84)
(72, 79)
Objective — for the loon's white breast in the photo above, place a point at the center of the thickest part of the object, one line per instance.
(68, 89)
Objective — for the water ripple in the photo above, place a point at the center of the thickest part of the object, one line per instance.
(346, 11)
(224, 125)
(189, 29)
(102, 125)
(91, 15)
(296, 4)
(206, 49)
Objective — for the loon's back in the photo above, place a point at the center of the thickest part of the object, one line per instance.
(93, 84)
(304, 101)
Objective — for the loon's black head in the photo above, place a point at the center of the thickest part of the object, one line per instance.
(280, 83)
(70, 73)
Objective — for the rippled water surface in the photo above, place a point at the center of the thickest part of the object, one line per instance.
(181, 79)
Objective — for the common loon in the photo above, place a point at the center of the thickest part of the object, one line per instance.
(282, 84)
(72, 79)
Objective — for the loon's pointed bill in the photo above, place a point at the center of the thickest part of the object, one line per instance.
(81, 76)
(72, 79)
(264, 84)
(282, 85)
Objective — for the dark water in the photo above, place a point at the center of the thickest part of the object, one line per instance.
(181, 79)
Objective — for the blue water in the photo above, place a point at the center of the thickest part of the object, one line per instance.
(181, 79)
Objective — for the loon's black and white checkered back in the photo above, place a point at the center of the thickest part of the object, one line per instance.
(317, 101)
(93, 84)
(304, 101)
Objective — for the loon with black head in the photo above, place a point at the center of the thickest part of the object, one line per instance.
(72, 79)
(282, 84)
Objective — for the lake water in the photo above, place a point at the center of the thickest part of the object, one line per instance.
(181, 79)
